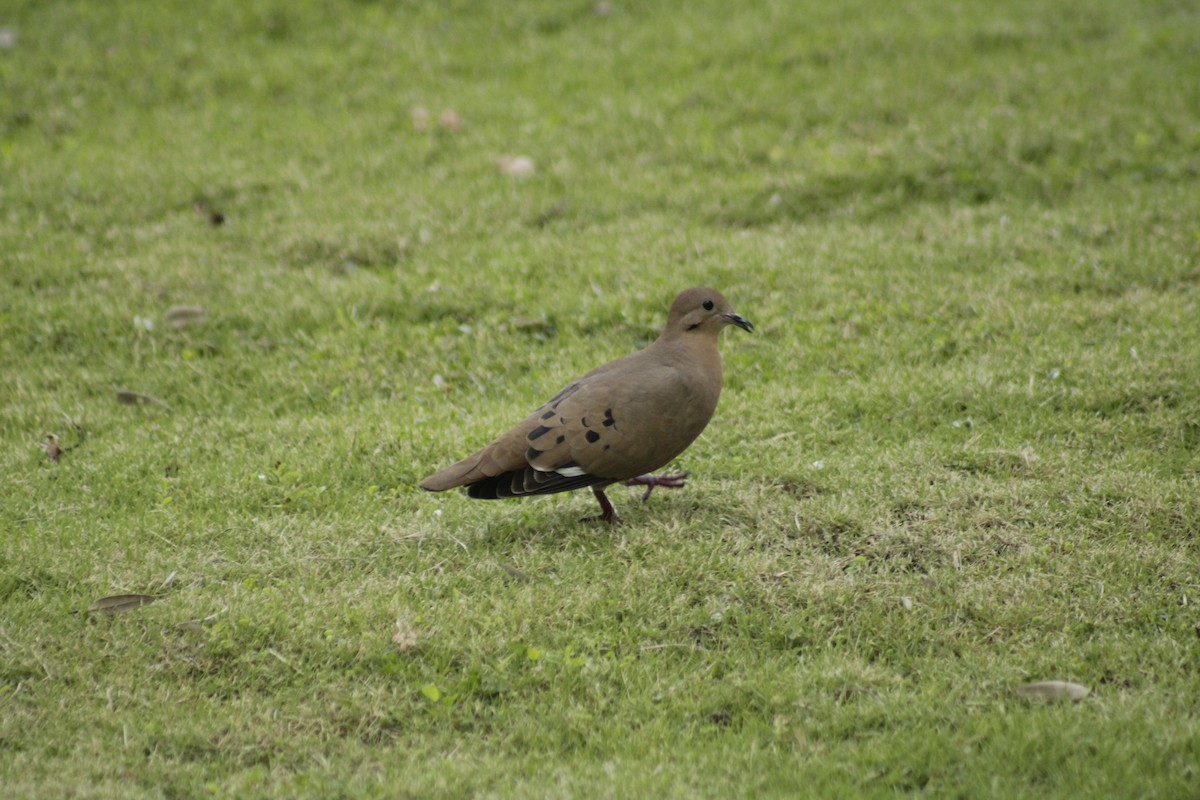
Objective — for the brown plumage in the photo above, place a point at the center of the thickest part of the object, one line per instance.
(615, 424)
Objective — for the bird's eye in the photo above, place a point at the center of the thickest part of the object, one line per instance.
(708, 305)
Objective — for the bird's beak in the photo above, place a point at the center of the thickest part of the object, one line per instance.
(739, 320)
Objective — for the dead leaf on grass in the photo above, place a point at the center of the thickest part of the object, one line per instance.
(549, 215)
(516, 166)
(183, 316)
(519, 574)
(51, 446)
(420, 119)
(121, 603)
(128, 398)
(54, 447)
(214, 217)
(405, 637)
(1053, 691)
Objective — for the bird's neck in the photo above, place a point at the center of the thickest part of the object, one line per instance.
(695, 350)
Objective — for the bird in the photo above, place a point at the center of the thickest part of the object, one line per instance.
(615, 424)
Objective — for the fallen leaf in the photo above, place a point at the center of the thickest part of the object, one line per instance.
(51, 447)
(128, 398)
(120, 603)
(549, 215)
(450, 120)
(183, 316)
(516, 166)
(213, 216)
(405, 637)
(420, 119)
(1053, 691)
(519, 574)
(541, 323)
(53, 444)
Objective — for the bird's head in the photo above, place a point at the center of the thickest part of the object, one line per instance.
(703, 310)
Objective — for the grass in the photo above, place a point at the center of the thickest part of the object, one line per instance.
(959, 454)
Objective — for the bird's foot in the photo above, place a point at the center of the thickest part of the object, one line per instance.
(607, 512)
(613, 520)
(650, 481)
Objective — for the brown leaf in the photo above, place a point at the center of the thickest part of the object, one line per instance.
(549, 215)
(214, 217)
(516, 166)
(51, 446)
(532, 323)
(519, 574)
(405, 637)
(1053, 691)
(128, 398)
(183, 316)
(420, 119)
(120, 603)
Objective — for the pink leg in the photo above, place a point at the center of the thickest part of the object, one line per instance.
(607, 512)
(650, 481)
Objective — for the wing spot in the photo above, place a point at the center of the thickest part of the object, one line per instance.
(540, 430)
(548, 414)
(562, 437)
(592, 437)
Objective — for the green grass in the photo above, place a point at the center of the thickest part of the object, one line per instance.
(960, 453)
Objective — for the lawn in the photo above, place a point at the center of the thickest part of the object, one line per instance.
(265, 265)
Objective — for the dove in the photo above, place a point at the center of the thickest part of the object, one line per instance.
(615, 424)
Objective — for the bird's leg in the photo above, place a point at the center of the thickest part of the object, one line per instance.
(607, 512)
(650, 481)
